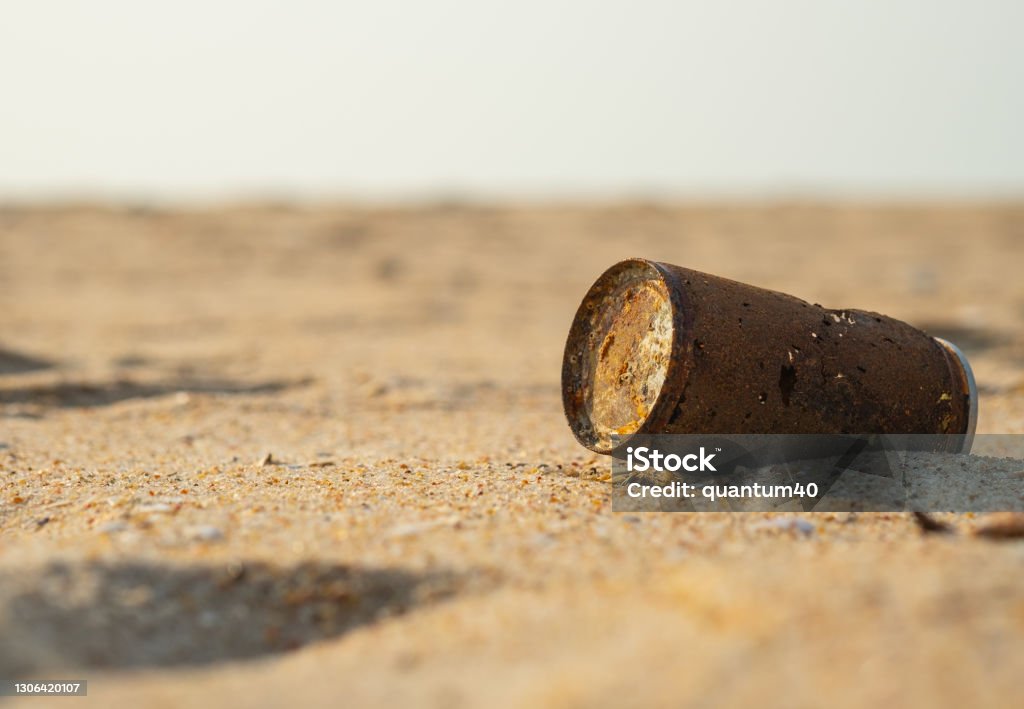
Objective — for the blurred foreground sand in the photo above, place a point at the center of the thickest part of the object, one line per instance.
(426, 530)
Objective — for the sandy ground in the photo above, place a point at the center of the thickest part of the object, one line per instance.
(277, 455)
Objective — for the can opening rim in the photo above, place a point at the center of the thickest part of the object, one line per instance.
(618, 354)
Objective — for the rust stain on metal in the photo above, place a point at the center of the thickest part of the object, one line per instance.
(656, 348)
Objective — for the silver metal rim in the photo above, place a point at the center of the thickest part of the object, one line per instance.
(972, 389)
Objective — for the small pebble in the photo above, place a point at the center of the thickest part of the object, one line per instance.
(156, 508)
(794, 524)
(113, 527)
(206, 533)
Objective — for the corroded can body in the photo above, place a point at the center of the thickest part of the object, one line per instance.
(656, 348)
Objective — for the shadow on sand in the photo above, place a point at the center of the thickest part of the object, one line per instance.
(134, 615)
(88, 394)
(972, 340)
(16, 363)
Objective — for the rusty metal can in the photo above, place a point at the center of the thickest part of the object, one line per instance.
(656, 348)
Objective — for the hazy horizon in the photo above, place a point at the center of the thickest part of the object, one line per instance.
(554, 100)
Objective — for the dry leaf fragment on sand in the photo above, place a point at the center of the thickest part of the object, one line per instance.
(929, 525)
(1007, 525)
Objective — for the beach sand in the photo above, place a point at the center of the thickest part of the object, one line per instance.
(280, 454)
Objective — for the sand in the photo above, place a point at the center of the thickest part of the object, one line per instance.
(279, 454)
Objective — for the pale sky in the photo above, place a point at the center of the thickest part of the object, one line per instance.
(208, 99)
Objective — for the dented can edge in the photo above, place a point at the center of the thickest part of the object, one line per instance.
(972, 392)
